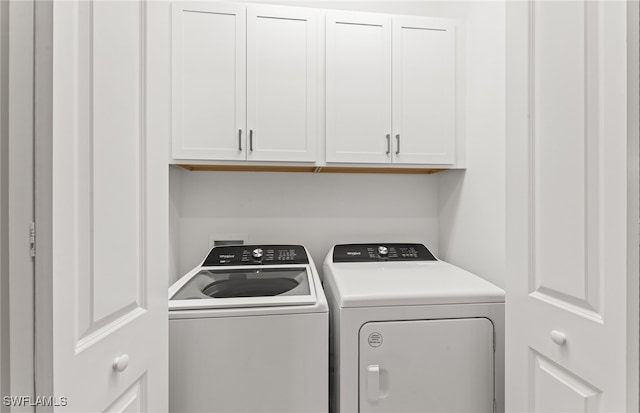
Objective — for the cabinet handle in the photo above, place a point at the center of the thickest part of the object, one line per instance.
(251, 140)
(388, 144)
(240, 139)
(398, 145)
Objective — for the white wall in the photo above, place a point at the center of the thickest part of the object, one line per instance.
(316, 210)
(471, 204)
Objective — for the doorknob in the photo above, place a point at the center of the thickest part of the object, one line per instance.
(558, 337)
(121, 363)
(373, 383)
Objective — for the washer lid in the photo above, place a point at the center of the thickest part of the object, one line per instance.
(373, 284)
(225, 287)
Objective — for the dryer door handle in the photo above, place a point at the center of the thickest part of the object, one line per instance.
(373, 383)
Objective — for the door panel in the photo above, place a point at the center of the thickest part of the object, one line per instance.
(132, 400)
(557, 390)
(424, 90)
(208, 80)
(427, 365)
(109, 182)
(566, 168)
(358, 87)
(282, 83)
(566, 207)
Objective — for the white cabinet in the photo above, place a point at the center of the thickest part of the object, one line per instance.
(282, 83)
(424, 87)
(390, 87)
(358, 87)
(228, 108)
(208, 80)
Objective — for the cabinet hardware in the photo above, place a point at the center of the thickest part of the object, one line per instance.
(251, 140)
(398, 145)
(240, 139)
(388, 144)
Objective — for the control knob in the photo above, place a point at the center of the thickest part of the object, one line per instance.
(383, 251)
(257, 253)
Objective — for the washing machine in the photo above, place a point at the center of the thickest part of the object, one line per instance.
(248, 332)
(411, 333)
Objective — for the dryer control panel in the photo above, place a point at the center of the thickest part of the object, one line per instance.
(256, 255)
(381, 252)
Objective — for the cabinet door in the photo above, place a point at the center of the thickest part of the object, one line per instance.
(358, 87)
(281, 83)
(427, 366)
(209, 66)
(424, 90)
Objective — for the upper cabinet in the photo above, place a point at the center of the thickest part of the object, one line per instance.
(390, 84)
(424, 91)
(358, 87)
(282, 83)
(208, 81)
(244, 82)
(247, 80)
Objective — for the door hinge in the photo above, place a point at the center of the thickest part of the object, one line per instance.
(32, 238)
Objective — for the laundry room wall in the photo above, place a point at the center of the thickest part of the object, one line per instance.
(316, 210)
(458, 214)
(471, 203)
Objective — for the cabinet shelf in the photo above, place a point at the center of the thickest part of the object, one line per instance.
(310, 169)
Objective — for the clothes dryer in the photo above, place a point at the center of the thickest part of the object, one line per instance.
(411, 333)
(248, 332)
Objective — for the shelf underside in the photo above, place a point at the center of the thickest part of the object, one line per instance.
(310, 169)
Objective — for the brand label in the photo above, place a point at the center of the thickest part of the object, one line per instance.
(375, 339)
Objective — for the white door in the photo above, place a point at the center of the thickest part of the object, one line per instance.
(358, 87)
(567, 307)
(109, 207)
(208, 80)
(282, 82)
(427, 366)
(424, 90)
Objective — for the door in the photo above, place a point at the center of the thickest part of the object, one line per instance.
(108, 317)
(282, 82)
(570, 294)
(424, 90)
(358, 87)
(427, 366)
(208, 81)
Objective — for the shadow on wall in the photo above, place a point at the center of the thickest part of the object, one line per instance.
(316, 210)
(472, 224)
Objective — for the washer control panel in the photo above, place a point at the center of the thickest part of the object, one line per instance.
(256, 255)
(381, 252)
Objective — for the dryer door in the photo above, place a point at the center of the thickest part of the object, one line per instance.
(427, 366)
